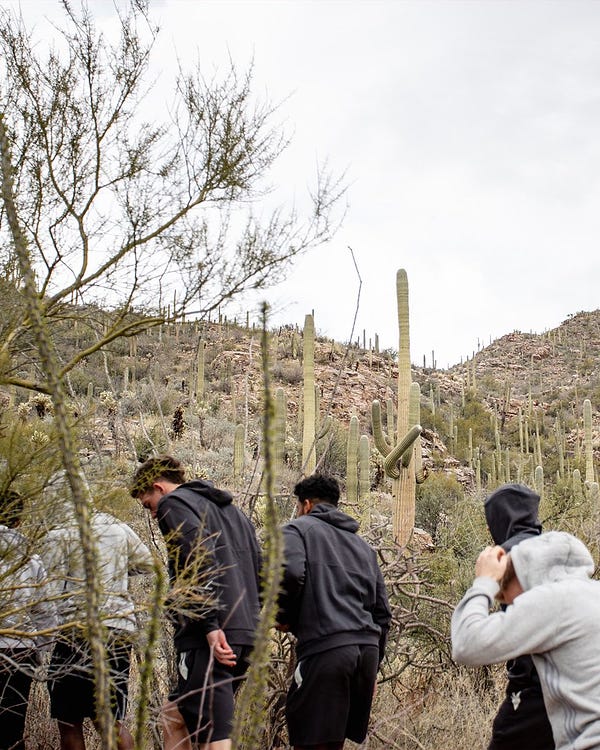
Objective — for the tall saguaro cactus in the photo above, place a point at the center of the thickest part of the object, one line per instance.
(279, 430)
(309, 457)
(200, 372)
(587, 433)
(352, 461)
(398, 462)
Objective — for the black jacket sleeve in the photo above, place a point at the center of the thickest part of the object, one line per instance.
(192, 563)
(294, 571)
(382, 614)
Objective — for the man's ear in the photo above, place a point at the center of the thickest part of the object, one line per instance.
(158, 485)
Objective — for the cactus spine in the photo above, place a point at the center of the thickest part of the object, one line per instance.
(403, 477)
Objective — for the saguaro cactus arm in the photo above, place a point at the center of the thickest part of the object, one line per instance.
(382, 443)
(390, 464)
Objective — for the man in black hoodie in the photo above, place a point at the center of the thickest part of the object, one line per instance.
(214, 563)
(334, 601)
(521, 723)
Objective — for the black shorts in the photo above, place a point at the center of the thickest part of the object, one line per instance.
(71, 682)
(330, 697)
(205, 690)
(16, 668)
(522, 722)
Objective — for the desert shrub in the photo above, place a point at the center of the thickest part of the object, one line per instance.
(562, 509)
(216, 432)
(332, 450)
(287, 371)
(464, 534)
(150, 439)
(436, 499)
(79, 377)
(213, 464)
(477, 417)
(453, 711)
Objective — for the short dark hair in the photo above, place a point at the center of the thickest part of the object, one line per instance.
(11, 508)
(158, 467)
(319, 488)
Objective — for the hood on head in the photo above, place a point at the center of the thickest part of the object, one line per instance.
(511, 513)
(551, 557)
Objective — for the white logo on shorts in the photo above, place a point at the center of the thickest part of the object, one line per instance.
(183, 670)
(298, 676)
(516, 699)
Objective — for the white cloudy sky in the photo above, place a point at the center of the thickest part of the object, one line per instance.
(470, 132)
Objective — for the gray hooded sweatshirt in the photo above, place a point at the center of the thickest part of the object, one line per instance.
(556, 620)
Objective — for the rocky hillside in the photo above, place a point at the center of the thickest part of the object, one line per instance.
(545, 376)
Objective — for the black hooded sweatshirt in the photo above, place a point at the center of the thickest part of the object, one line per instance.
(333, 590)
(511, 513)
(213, 550)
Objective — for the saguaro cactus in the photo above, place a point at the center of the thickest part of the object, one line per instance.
(587, 436)
(364, 481)
(352, 461)
(280, 430)
(239, 440)
(396, 456)
(309, 458)
(200, 372)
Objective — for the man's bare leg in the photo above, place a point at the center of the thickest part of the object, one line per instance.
(218, 745)
(124, 738)
(175, 733)
(71, 736)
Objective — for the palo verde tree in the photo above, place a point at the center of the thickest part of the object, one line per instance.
(107, 214)
(132, 212)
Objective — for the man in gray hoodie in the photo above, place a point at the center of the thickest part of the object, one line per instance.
(511, 512)
(553, 614)
(120, 555)
(27, 618)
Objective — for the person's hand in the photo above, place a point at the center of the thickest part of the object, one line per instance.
(491, 563)
(221, 649)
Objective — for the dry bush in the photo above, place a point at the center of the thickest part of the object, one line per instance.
(289, 372)
(454, 711)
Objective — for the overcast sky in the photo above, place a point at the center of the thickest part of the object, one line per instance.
(470, 134)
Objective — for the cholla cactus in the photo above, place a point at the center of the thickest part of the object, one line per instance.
(23, 411)
(109, 402)
(39, 439)
(42, 403)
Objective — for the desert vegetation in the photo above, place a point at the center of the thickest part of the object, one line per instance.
(116, 261)
(124, 412)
